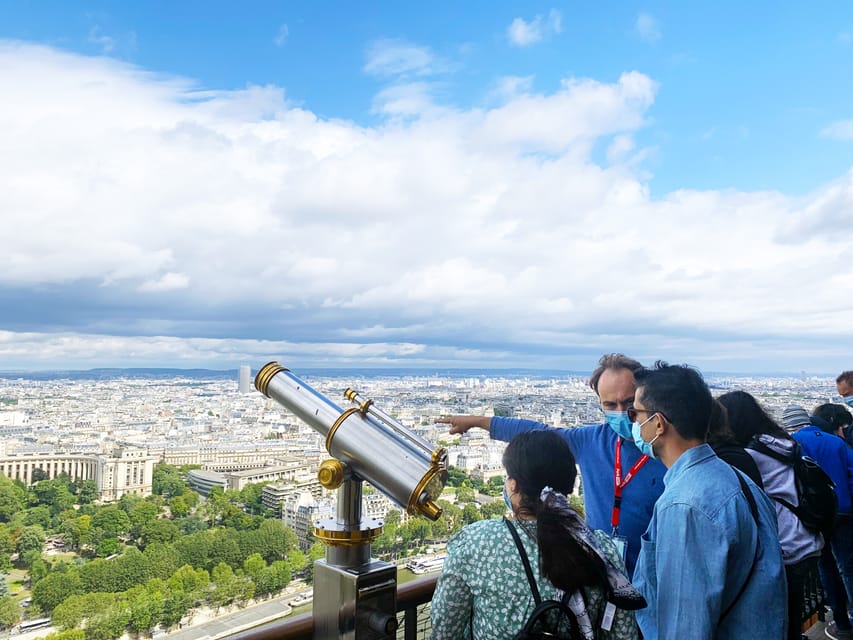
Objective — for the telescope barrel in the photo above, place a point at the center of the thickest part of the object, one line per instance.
(399, 463)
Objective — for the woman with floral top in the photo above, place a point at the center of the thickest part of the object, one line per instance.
(483, 591)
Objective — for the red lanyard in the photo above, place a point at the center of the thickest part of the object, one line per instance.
(619, 483)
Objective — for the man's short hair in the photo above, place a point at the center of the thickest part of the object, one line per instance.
(614, 361)
(845, 376)
(680, 393)
(835, 414)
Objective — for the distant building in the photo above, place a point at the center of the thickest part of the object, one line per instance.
(205, 481)
(301, 513)
(245, 380)
(127, 470)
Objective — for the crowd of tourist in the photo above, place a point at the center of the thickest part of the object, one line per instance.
(698, 520)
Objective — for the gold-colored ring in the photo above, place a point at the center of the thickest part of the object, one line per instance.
(412, 507)
(341, 418)
(265, 374)
(336, 538)
(364, 406)
(439, 455)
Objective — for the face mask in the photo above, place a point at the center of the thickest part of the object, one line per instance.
(642, 445)
(506, 499)
(619, 422)
(848, 400)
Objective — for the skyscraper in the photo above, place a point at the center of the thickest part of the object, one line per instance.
(245, 379)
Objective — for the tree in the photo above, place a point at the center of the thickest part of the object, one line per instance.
(107, 547)
(108, 625)
(141, 514)
(493, 509)
(67, 634)
(162, 531)
(316, 552)
(111, 521)
(31, 539)
(54, 588)
(10, 611)
(470, 514)
(87, 492)
(465, 495)
(168, 481)
(179, 507)
(39, 515)
(12, 499)
(145, 607)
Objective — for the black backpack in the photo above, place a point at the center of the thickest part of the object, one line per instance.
(818, 503)
(550, 618)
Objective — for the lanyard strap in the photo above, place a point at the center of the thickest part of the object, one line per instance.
(620, 483)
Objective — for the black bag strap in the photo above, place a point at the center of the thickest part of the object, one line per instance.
(527, 569)
(790, 460)
(753, 509)
(541, 607)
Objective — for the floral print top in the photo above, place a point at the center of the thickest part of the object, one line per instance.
(483, 589)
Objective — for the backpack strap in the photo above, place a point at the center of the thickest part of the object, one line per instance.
(790, 460)
(757, 445)
(536, 597)
(753, 509)
(561, 605)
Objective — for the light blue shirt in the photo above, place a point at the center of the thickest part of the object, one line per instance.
(698, 552)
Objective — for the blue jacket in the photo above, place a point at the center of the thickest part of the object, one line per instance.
(698, 552)
(594, 449)
(834, 457)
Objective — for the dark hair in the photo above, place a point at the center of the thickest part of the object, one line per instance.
(845, 376)
(835, 414)
(614, 361)
(747, 418)
(538, 459)
(681, 395)
(719, 431)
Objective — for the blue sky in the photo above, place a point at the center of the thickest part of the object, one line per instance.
(477, 184)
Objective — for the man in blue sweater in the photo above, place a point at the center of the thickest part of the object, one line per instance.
(621, 485)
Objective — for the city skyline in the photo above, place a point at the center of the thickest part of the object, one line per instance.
(333, 186)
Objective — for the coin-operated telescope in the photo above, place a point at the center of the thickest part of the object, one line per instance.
(355, 596)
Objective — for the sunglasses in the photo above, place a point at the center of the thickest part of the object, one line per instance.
(633, 413)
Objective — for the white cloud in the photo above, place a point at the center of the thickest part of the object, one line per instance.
(523, 33)
(105, 42)
(281, 36)
(167, 282)
(232, 227)
(389, 57)
(648, 28)
(840, 130)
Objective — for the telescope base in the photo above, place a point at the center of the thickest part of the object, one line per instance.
(355, 603)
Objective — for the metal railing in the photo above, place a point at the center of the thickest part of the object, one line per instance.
(412, 615)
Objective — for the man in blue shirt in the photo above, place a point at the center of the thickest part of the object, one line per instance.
(620, 484)
(710, 564)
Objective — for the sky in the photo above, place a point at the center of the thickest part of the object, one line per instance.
(480, 185)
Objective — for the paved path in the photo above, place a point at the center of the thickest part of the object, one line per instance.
(236, 621)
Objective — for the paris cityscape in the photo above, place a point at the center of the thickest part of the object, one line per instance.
(122, 436)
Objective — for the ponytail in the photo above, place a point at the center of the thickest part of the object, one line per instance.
(566, 560)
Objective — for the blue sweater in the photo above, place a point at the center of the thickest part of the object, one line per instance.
(834, 457)
(594, 448)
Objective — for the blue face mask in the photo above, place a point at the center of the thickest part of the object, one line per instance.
(506, 499)
(848, 400)
(619, 422)
(637, 434)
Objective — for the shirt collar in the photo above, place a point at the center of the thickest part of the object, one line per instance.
(689, 458)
